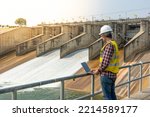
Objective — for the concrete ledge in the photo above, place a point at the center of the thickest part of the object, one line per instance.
(9, 39)
(31, 44)
(71, 46)
(133, 47)
(139, 43)
(68, 32)
(28, 45)
(50, 44)
(77, 43)
(94, 49)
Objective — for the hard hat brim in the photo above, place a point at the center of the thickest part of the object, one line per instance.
(105, 32)
(100, 33)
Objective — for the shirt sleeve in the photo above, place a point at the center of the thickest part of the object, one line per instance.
(107, 55)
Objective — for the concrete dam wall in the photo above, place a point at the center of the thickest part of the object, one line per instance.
(139, 43)
(71, 37)
(30, 44)
(68, 32)
(9, 39)
(81, 41)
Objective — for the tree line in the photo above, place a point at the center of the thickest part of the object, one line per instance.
(18, 22)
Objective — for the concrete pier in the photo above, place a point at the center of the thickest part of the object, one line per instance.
(30, 44)
(9, 39)
(79, 42)
(67, 33)
(139, 43)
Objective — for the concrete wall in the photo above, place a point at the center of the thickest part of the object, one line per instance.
(139, 43)
(36, 31)
(122, 32)
(94, 49)
(31, 44)
(95, 30)
(81, 41)
(75, 30)
(54, 36)
(119, 31)
(133, 29)
(68, 32)
(8, 40)
(28, 45)
(132, 33)
(50, 44)
(51, 31)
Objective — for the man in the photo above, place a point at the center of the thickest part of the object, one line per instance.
(109, 63)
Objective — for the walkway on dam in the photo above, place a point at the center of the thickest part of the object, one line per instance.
(45, 67)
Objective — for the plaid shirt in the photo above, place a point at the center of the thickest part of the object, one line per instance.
(107, 55)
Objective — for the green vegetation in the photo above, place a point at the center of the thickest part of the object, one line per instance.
(21, 21)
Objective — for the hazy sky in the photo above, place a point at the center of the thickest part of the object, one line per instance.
(37, 11)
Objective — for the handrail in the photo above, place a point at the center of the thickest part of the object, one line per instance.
(40, 83)
(14, 89)
(128, 82)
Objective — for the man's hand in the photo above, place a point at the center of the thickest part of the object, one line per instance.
(95, 72)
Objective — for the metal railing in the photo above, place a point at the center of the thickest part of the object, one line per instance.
(14, 89)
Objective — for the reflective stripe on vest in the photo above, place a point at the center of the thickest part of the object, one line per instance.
(114, 62)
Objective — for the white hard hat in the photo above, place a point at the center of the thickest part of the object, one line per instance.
(105, 29)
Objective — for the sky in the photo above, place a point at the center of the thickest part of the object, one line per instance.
(50, 11)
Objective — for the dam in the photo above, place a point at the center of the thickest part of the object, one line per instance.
(30, 55)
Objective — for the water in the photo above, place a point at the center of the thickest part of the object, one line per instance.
(42, 94)
(46, 67)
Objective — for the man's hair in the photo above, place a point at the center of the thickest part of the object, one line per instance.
(108, 34)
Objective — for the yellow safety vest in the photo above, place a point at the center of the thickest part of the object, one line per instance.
(114, 62)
